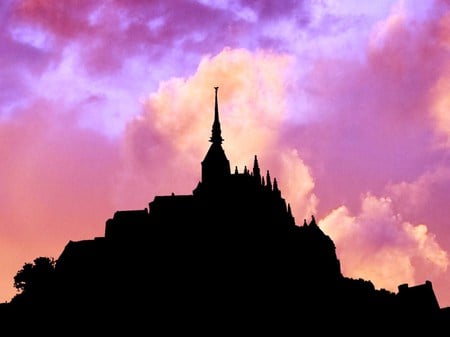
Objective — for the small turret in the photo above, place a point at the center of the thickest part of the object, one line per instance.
(268, 182)
(256, 171)
(275, 185)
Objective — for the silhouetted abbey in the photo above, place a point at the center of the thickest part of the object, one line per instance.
(227, 256)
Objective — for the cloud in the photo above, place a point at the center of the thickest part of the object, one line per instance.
(179, 33)
(440, 106)
(378, 245)
(380, 128)
(295, 182)
(251, 97)
(415, 197)
(171, 133)
(377, 119)
(251, 89)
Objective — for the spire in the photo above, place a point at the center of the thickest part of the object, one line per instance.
(256, 171)
(216, 137)
(215, 166)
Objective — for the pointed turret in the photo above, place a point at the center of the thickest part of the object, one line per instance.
(268, 182)
(256, 171)
(275, 187)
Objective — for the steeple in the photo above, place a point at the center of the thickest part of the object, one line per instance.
(216, 134)
(215, 166)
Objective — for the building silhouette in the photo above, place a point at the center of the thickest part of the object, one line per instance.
(228, 257)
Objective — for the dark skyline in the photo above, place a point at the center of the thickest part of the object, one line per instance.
(228, 256)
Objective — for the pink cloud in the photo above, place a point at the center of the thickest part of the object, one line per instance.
(375, 110)
(110, 32)
(378, 129)
(417, 196)
(378, 245)
(244, 79)
(67, 19)
(296, 183)
(171, 133)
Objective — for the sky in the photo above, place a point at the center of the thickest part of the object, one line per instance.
(106, 104)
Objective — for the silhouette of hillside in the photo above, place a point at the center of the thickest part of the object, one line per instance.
(228, 258)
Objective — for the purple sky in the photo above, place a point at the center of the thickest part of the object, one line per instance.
(105, 104)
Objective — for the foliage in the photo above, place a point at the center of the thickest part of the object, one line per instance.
(34, 275)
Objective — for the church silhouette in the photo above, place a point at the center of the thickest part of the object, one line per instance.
(228, 258)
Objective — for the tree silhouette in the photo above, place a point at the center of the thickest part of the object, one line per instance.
(34, 276)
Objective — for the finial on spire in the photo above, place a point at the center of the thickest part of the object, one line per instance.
(216, 137)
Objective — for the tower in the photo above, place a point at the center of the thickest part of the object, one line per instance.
(215, 166)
